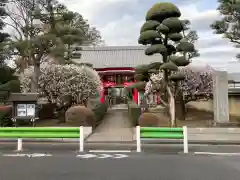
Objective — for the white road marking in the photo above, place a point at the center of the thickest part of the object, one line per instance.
(27, 155)
(14, 155)
(110, 151)
(102, 156)
(120, 156)
(40, 155)
(86, 156)
(218, 154)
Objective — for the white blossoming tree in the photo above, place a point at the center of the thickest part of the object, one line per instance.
(197, 83)
(61, 84)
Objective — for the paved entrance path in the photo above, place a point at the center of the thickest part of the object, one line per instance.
(120, 106)
(115, 127)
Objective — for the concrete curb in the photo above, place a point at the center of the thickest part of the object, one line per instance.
(210, 142)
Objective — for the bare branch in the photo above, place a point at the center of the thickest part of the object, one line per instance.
(16, 29)
(17, 25)
(234, 41)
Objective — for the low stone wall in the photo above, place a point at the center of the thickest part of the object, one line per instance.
(214, 134)
(233, 102)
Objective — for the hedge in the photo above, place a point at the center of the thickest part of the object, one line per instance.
(134, 112)
(100, 111)
(5, 116)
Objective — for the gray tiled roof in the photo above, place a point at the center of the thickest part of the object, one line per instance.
(116, 56)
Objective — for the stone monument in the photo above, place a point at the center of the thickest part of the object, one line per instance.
(220, 97)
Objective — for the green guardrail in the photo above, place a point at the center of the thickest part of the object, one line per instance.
(42, 132)
(161, 133)
(168, 133)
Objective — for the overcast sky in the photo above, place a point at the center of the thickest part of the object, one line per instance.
(119, 22)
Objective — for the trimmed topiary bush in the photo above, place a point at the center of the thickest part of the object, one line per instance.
(8, 83)
(6, 74)
(5, 116)
(100, 111)
(162, 11)
(46, 111)
(83, 116)
(148, 120)
(11, 86)
(134, 112)
(80, 116)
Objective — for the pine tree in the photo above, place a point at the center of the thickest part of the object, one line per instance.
(229, 25)
(52, 37)
(163, 33)
(3, 36)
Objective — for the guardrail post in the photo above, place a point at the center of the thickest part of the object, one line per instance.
(185, 139)
(138, 139)
(19, 144)
(81, 139)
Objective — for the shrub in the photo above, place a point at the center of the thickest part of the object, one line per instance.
(6, 74)
(5, 116)
(100, 111)
(83, 116)
(148, 120)
(12, 86)
(134, 112)
(46, 111)
(8, 82)
(80, 116)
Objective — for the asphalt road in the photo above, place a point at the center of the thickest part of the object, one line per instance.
(148, 148)
(139, 166)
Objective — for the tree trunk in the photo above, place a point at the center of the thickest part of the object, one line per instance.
(145, 104)
(36, 74)
(180, 107)
(85, 102)
(171, 102)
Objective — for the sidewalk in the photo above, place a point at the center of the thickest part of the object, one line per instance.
(115, 128)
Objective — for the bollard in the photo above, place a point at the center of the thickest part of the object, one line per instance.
(185, 139)
(81, 139)
(138, 139)
(19, 144)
